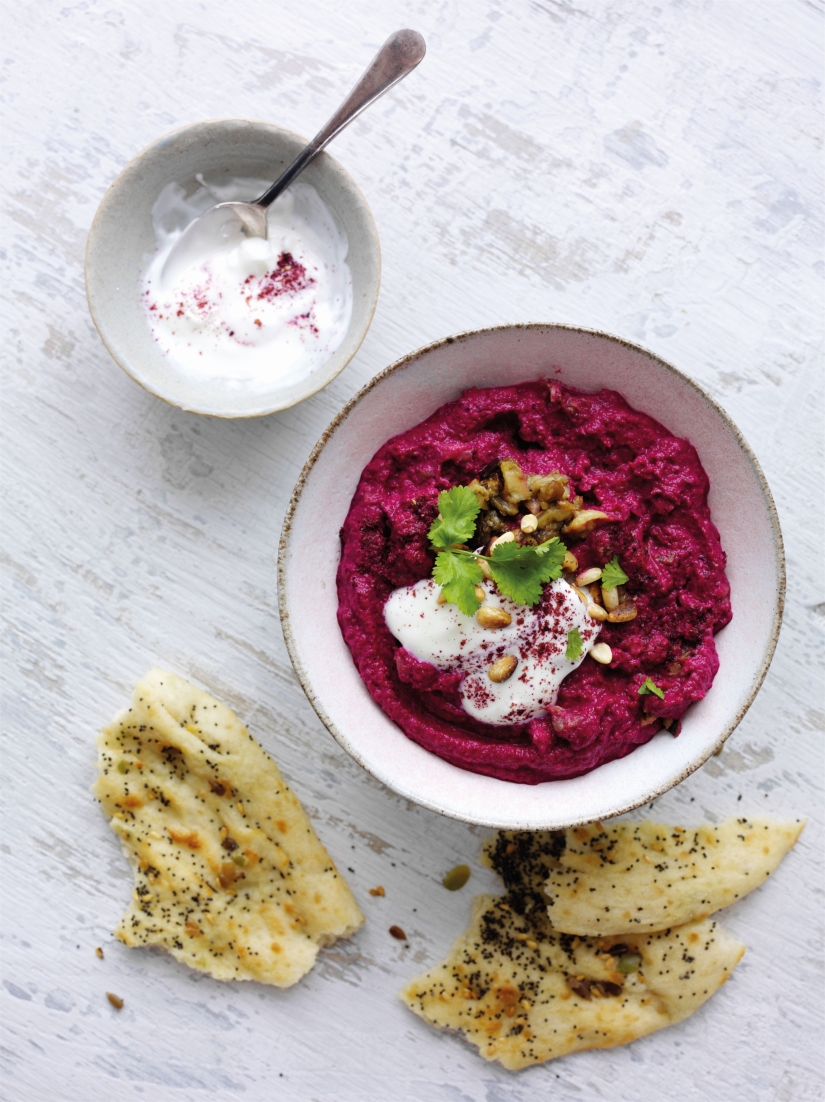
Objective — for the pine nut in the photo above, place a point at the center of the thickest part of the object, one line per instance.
(441, 599)
(529, 523)
(508, 537)
(570, 563)
(610, 598)
(503, 668)
(490, 616)
(596, 612)
(588, 576)
(626, 611)
(485, 568)
(602, 654)
(480, 592)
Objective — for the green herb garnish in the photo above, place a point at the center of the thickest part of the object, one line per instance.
(519, 572)
(649, 686)
(612, 574)
(456, 521)
(574, 645)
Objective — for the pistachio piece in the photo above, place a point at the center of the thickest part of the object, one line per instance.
(456, 878)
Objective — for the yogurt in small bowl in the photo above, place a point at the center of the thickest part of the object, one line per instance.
(251, 326)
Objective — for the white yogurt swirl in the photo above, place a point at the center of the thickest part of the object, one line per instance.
(252, 312)
(443, 636)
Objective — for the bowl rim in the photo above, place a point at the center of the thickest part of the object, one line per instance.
(622, 806)
(107, 197)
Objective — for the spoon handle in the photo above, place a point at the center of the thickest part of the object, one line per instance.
(398, 56)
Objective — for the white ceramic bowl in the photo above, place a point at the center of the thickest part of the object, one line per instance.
(122, 236)
(405, 394)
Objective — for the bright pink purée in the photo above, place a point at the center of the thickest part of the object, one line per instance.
(620, 461)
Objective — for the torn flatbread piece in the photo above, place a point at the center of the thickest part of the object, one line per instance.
(523, 993)
(230, 876)
(628, 876)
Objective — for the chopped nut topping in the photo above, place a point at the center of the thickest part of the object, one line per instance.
(602, 654)
(624, 612)
(570, 563)
(480, 592)
(489, 616)
(588, 576)
(596, 612)
(586, 521)
(610, 598)
(529, 523)
(503, 668)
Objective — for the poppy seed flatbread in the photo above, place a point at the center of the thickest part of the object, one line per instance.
(523, 993)
(230, 876)
(644, 876)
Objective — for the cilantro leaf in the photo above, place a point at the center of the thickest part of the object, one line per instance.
(574, 645)
(520, 572)
(456, 522)
(649, 686)
(458, 575)
(612, 574)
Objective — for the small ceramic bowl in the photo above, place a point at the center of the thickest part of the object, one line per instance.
(122, 238)
(402, 396)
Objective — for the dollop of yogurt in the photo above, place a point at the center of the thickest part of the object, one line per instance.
(451, 641)
(252, 312)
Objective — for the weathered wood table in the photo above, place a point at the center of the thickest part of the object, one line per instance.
(652, 170)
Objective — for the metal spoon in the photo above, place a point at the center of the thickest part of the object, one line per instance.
(397, 57)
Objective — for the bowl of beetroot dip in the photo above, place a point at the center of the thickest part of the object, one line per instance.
(684, 508)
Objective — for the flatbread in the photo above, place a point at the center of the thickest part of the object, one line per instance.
(644, 876)
(523, 993)
(230, 876)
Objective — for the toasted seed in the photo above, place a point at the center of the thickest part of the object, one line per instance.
(456, 878)
(628, 963)
(485, 568)
(626, 611)
(99, 953)
(596, 612)
(115, 1000)
(491, 616)
(586, 520)
(529, 523)
(398, 933)
(441, 599)
(507, 537)
(570, 562)
(588, 576)
(377, 891)
(480, 592)
(610, 598)
(503, 668)
(602, 654)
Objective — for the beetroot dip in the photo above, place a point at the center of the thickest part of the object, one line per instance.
(622, 462)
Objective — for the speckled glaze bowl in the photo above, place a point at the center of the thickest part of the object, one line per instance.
(122, 236)
(407, 392)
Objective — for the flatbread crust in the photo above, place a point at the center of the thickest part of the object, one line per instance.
(523, 993)
(230, 876)
(631, 876)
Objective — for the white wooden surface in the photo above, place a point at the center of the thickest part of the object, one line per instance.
(652, 169)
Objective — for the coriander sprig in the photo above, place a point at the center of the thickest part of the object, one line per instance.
(519, 572)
